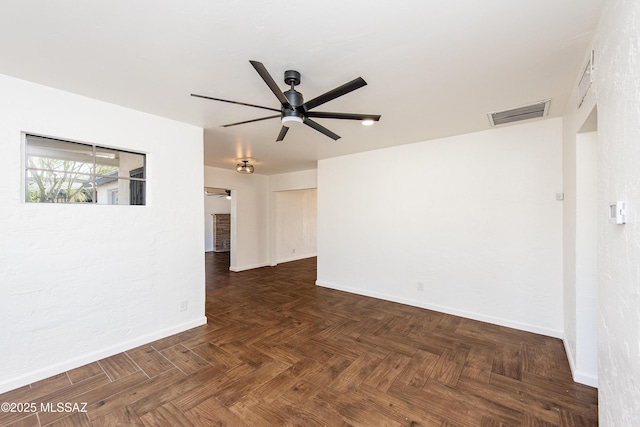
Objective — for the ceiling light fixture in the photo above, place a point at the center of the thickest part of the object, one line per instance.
(367, 122)
(289, 121)
(244, 167)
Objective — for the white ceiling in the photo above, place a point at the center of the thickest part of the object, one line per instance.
(433, 68)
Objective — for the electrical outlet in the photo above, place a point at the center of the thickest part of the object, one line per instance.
(420, 286)
(184, 305)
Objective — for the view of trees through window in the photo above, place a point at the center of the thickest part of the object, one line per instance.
(68, 172)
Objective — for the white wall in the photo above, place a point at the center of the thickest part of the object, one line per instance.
(81, 282)
(213, 205)
(586, 355)
(297, 208)
(249, 215)
(473, 218)
(579, 282)
(580, 230)
(617, 89)
(294, 180)
(296, 224)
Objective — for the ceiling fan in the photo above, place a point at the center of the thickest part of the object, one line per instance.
(218, 192)
(293, 110)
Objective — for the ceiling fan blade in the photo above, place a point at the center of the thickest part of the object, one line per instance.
(270, 82)
(333, 94)
(235, 102)
(347, 116)
(250, 121)
(283, 133)
(320, 128)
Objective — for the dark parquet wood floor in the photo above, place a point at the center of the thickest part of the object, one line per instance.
(279, 351)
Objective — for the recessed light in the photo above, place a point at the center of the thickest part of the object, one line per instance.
(367, 122)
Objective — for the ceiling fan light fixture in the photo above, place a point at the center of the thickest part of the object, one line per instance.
(290, 121)
(294, 110)
(244, 167)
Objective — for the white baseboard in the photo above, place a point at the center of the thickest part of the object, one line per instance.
(249, 267)
(570, 355)
(579, 376)
(295, 258)
(586, 379)
(67, 365)
(270, 264)
(448, 310)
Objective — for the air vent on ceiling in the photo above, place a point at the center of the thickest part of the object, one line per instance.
(531, 111)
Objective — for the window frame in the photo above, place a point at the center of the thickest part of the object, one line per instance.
(93, 175)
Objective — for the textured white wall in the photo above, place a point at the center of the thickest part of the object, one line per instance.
(474, 218)
(78, 283)
(296, 224)
(617, 84)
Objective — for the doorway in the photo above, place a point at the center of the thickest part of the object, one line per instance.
(217, 220)
(586, 249)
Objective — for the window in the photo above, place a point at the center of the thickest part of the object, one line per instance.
(68, 172)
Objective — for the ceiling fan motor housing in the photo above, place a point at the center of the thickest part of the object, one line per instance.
(294, 97)
(295, 115)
